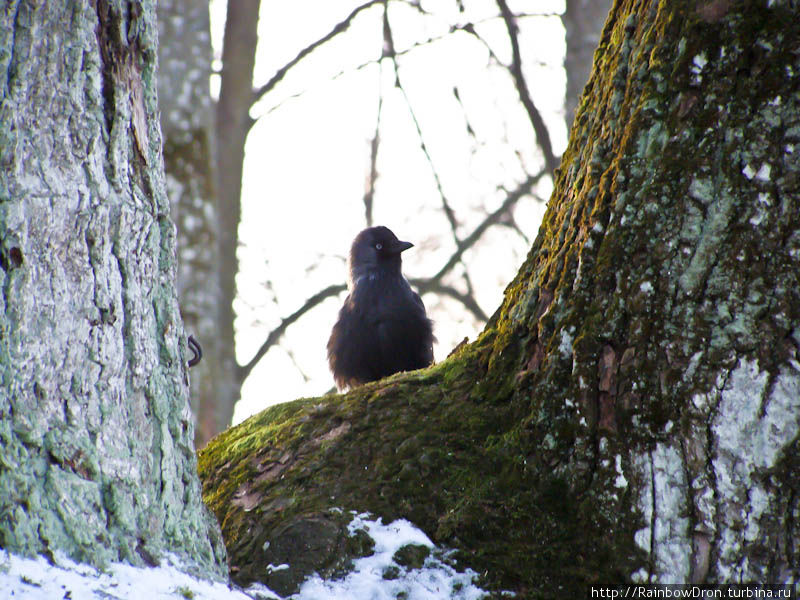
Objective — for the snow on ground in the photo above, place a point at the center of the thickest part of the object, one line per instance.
(37, 579)
(436, 580)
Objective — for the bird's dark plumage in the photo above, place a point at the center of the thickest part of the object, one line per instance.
(382, 327)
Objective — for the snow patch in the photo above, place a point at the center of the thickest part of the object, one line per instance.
(436, 580)
(37, 579)
(763, 173)
(274, 568)
(698, 63)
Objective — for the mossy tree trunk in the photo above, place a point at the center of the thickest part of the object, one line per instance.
(632, 410)
(96, 452)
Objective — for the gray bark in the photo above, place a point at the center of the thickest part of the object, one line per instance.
(96, 457)
(583, 23)
(187, 124)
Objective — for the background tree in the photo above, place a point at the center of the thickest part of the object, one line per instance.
(451, 283)
(96, 453)
(632, 410)
(583, 23)
(188, 127)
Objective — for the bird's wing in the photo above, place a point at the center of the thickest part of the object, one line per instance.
(418, 300)
(427, 352)
(346, 355)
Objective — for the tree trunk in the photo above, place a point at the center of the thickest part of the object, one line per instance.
(96, 457)
(583, 23)
(632, 410)
(187, 124)
(233, 124)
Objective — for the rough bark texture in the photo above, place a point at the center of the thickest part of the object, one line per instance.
(187, 125)
(632, 410)
(96, 453)
(583, 23)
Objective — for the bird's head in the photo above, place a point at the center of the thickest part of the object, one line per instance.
(376, 251)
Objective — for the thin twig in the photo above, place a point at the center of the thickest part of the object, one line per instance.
(339, 28)
(490, 220)
(539, 127)
(431, 284)
(470, 130)
(437, 287)
(296, 364)
(448, 210)
(332, 290)
(466, 27)
(369, 194)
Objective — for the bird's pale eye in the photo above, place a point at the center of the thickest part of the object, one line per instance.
(378, 246)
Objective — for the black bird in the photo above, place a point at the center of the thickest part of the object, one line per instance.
(382, 327)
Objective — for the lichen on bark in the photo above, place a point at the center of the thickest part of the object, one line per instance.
(96, 455)
(587, 434)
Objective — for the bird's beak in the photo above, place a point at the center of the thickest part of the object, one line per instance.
(401, 246)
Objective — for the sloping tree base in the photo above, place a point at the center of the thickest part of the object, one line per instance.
(431, 447)
(632, 410)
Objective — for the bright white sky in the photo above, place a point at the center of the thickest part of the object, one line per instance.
(307, 161)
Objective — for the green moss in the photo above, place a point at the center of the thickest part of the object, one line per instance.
(428, 446)
(505, 451)
(411, 556)
(185, 592)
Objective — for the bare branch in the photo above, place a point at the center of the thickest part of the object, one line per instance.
(432, 284)
(470, 130)
(470, 29)
(539, 127)
(467, 300)
(490, 220)
(296, 364)
(448, 210)
(339, 28)
(466, 27)
(369, 194)
(275, 335)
